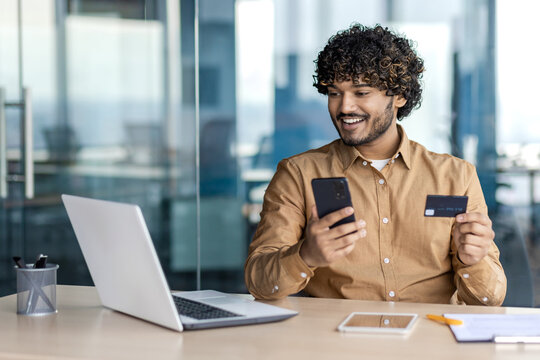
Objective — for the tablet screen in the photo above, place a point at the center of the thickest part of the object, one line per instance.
(378, 322)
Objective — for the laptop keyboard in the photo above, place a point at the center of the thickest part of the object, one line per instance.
(200, 311)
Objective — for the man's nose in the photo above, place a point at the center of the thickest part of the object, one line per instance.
(348, 104)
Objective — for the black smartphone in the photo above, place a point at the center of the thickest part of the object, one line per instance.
(332, 194)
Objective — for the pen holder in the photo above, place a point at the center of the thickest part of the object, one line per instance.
(36, 290)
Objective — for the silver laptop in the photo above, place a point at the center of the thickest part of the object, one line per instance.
(125, 268)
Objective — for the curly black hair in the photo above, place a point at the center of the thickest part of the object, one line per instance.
(379, 57)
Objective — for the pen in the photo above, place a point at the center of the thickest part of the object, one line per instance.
(41, 262)
(444, 320)
(19, 262)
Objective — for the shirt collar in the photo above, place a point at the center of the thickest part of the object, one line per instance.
(349, 154)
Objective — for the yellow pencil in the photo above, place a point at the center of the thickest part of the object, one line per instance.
(444, 320)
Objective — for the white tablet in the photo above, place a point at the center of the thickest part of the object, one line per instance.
(392, 323)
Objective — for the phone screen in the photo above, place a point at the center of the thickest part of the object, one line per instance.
(378, 322)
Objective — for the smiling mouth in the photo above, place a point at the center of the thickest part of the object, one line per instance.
(352, 120)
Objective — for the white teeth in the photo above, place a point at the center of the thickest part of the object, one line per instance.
(351, 121)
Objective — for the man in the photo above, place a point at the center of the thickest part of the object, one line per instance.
(392, 252)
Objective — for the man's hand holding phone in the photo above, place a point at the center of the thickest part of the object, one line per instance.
(324, 245)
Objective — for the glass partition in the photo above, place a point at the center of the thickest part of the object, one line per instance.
(113, 118)
(518, 143)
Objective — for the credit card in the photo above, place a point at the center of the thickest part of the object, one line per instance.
(445, 206)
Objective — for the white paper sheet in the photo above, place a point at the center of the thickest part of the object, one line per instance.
(484, 327)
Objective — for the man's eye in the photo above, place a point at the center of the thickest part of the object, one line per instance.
(361, 93)
(333, 94)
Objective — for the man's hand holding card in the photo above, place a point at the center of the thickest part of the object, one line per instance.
(472, 233)
(473, 236)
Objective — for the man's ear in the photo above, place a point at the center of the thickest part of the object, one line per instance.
(399, 101)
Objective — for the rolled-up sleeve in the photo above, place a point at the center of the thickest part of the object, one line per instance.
(483, 283)
(274, 268)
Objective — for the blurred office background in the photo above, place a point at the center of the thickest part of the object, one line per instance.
(185, 107)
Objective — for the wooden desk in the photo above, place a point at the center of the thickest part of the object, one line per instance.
(84, 329)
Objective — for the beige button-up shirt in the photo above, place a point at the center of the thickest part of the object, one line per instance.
(405, 256)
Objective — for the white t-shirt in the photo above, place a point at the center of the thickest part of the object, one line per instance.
(379, 164)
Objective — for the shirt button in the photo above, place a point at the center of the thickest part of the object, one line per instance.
(276, 287)
(386, 260)
(393, 161)
(385, 220)
(484, 299)
(466, 276)
(386, 322)
(364, 163)
(381, 181)
(391, 294)
(303, 274)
